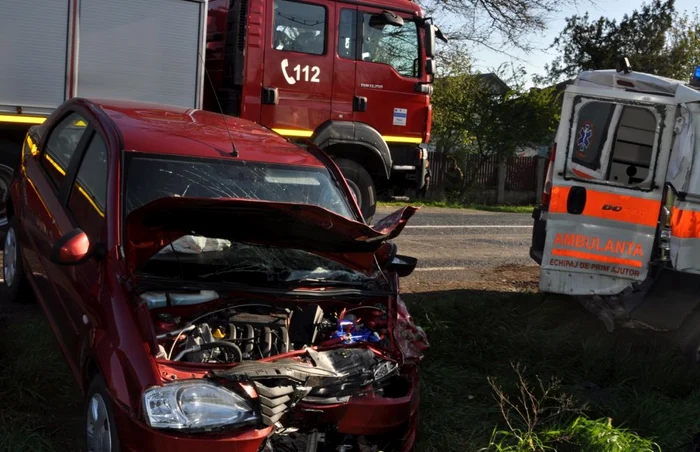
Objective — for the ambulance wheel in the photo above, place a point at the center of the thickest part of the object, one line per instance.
(362, 186)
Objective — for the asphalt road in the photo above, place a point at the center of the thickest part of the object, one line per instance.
(456, 246)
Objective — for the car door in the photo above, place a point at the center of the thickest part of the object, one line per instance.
(45, 219)
(388, 73)
(85, 202)
(607, 188)
(298, 67)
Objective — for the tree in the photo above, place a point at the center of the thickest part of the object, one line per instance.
(476, 119)
(656, 38)
(496, 24)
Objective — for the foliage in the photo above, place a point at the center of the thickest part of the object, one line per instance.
(476, 117)
(600, 436)
(656, 38)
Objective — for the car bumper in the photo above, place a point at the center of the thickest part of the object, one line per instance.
(382, 418)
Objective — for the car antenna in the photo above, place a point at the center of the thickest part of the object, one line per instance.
(234, 150)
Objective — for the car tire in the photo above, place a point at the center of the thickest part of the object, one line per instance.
(362, 186)
(100, 428)
(14, 281)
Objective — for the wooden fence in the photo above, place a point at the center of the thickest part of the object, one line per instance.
(482, 173)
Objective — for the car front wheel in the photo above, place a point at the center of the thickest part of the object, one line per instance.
(100, 429)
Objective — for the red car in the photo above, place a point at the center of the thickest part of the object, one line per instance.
(212, 285)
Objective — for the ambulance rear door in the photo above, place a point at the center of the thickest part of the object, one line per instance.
(613, 149)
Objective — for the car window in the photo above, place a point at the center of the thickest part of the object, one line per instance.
(61, 145)
(347, 34)
(392, 45)
(614, 143)
(88, 196)
(299, 27)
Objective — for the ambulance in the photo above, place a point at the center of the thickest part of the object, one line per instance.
(619, 222)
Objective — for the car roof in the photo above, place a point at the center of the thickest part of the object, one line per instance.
(170, 130)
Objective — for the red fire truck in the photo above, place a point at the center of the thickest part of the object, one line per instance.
(352, 77)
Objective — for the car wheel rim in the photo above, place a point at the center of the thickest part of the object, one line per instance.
(9, 257)
(99, 437)
(356, 191)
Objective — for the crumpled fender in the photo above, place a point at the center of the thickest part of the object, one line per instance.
(409, 337)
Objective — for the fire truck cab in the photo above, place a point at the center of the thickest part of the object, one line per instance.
(619, 224)
(351, 77)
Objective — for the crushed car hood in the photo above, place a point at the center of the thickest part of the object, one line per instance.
(301, 226)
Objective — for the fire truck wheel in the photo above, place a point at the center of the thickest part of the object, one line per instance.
(362, 186)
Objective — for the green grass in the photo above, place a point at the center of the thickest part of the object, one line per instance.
(641, 384)
(453, 205)
(40, 400)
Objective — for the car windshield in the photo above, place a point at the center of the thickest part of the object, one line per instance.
(209, 259)
(150, 177)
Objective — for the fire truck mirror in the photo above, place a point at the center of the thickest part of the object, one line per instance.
(385, 18)
(429, 40)
(430, 67)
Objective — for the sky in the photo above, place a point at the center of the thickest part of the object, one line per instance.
(534, 63)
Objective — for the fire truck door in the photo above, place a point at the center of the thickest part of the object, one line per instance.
(298, 66)
(609, 173)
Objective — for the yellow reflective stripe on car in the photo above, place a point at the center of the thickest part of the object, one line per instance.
(90, 200)
(53, 162)
(21, 119)
(396, 139)
(294, 132)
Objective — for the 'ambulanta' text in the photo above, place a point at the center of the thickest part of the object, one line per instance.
(620, 247)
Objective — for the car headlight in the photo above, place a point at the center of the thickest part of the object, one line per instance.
(195, 404)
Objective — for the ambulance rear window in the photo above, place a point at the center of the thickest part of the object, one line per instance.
(614, 142)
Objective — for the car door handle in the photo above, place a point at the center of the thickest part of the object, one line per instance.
(270, 96)
(359, 104)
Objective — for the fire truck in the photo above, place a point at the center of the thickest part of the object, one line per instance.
(351, 77)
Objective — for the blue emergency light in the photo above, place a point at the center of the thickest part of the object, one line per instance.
(695, 81)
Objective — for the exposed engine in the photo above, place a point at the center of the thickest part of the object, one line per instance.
(254, 331)
(326, 367)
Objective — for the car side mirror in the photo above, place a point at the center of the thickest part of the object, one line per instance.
(72, 249)
(402, 265)
(430, 67)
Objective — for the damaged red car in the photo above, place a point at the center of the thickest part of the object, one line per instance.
(212, 285)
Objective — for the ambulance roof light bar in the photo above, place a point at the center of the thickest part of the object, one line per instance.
(695, 79)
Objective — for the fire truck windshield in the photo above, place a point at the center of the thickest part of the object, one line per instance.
(392, 45)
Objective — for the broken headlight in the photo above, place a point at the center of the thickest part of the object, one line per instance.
(195, 404)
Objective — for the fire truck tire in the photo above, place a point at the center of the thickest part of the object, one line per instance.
(9, 153)
(362, 186)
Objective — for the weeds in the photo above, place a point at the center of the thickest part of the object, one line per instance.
(538, 420)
